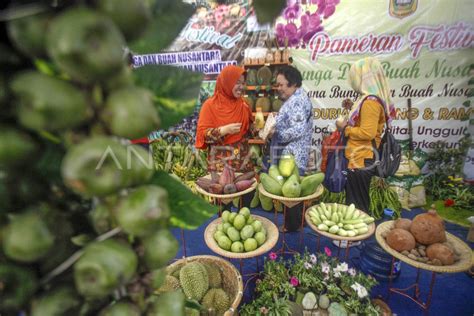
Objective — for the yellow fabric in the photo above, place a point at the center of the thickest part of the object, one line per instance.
(359, 137)
(367, 77)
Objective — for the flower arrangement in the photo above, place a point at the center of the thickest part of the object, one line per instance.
(289, 280)
(299, 22)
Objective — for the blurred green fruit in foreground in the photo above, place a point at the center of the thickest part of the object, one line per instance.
(130, 113)
(142, 211)
(160, 248)
(132, 17)
(28, 34)
(60, 301)
(18, 285)
(101, 166)
(16, 147)
(168, 304)
(121, 309)
(103, 267)
(86, 45)
(47, 103)
(27, 238)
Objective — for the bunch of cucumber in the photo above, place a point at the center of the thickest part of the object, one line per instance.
(339, 219)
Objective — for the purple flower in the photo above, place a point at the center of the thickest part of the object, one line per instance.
(273, 256)
(307, 265)
(329, 10)
(325, 267)
(294, 281)
(327, 251)
(292, 12)
(313, 258)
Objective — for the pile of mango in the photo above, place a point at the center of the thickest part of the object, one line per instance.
(284, 179)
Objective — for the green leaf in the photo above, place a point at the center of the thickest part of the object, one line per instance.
(467, 103)
(188, 210)
(268, 10)
(173, 111)
(81, 240)
(189, 303)
(169, 18)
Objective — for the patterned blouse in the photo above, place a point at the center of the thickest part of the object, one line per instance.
(237, 154)
(294, 128)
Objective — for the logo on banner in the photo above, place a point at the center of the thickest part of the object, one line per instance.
(402, 8)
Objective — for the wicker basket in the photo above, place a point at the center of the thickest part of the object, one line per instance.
(226, 198)
(464, 251)
(290, 202)
(231, 278)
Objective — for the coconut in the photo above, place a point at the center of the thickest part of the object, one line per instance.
(428, 228)
(403, 223)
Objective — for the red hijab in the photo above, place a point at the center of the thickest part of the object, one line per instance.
(223, 108)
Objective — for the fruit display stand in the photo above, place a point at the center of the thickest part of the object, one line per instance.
(270, 242)
(291, 202)
(463, 264)
(349, 240)
(231, 278)
(220, 199)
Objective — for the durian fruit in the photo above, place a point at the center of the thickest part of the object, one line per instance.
(171, 284)
(250, 100)
(251, 78)
(191, 312)
(276, 104)
(215, 278)
(216, 299)
(194, 280)
(264, 76)
(175, 273)
(264, 103)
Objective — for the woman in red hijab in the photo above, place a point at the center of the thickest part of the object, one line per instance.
(224, 123)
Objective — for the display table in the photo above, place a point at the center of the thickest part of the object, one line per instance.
(220, 199)
(463, 264)
(349, 240)
(272, 239)
(290, 202)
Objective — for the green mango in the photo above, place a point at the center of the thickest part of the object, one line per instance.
(130, 113)
(310, 183)
(28, 33)
(132, 17)
(286, 165)
(291, 188)
(27, 238)
(86, 45)
(168, 303)
(104, 266)
(100, 166)
(275, 174)
(296, 173)
(270, 185)
(142, 211)
(267, 203)
(159, 248)
(121, 309)
(18, 286)
(59, 301)
(47, 103)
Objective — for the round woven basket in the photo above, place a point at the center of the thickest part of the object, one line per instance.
(272, 239)
(461, 248)
(226, 197)
(310, 223)
(231, 279)
(290, 202)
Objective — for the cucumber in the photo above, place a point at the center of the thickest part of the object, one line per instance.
(323, 217)
(334, 217)
(350, 211)
(349, 226)
(323, 207)
(356, 214)
(352, 221)
(360, 225)
(323, 227)
(316, 220)
(328, 214)
(351, 233)
(342, 232)
(368, 220)
(362, 230)
(334, 229)
(329, 223)
(340, 224)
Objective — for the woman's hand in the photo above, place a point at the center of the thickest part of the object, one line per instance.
(341, 123)
(230, 129)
